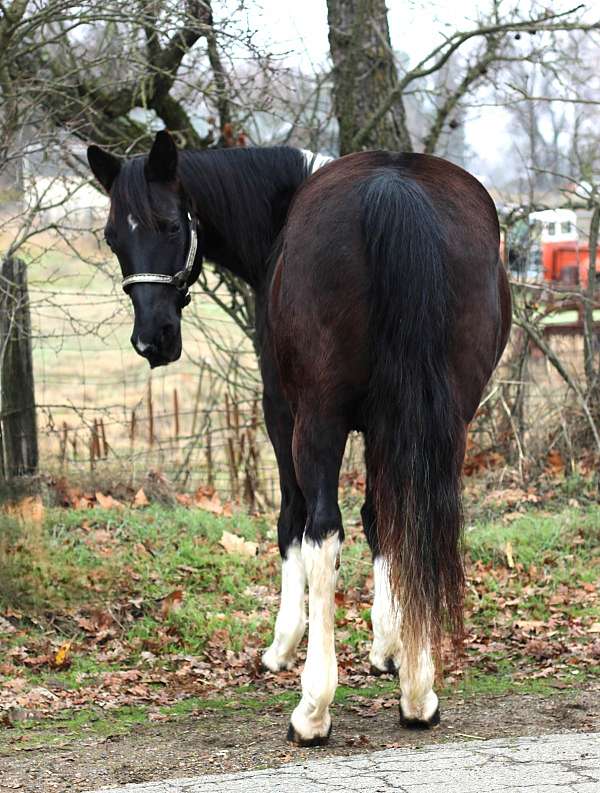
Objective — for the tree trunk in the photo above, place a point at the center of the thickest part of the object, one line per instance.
(18, 429)
(364, 73)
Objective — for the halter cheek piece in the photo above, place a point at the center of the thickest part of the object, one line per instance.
(181, 277)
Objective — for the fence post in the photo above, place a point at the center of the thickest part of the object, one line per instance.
(18, 429)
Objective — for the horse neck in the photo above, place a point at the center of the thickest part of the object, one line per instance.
(242, 197)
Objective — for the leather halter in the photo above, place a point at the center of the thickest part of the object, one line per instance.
(180, 279)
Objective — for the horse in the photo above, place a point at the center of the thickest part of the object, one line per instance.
(382, 306)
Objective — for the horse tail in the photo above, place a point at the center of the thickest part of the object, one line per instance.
(413, 434)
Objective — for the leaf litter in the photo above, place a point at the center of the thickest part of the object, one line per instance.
(518, 620)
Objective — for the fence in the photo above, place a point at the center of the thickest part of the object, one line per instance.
(18, 431)
(104, 420)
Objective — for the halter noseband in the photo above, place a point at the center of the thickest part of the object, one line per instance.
(180, 279)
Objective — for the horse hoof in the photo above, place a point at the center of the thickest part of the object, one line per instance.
(269, 663)
(390, 668)
(293, 736)
(420, 724)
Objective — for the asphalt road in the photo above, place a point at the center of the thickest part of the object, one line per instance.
(567, 763)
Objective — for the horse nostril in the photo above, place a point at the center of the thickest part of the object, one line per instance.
(140, 346)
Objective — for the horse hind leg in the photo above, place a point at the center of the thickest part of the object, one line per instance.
(418, 703)
(318, 449)
(385, 615)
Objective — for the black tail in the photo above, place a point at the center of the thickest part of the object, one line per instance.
(413, 437)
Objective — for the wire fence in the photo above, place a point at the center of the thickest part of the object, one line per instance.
(103, 417)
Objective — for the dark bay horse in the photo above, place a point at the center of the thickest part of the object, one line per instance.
(382, 307)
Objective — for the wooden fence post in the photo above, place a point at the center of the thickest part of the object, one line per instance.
(18, 429)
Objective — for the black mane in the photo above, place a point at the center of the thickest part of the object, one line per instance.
(240, 196)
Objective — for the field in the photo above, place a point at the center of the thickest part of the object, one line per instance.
(116, 621)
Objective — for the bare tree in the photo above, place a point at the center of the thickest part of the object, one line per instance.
(371, 90)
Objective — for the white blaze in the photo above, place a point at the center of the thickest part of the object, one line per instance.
(132, 222)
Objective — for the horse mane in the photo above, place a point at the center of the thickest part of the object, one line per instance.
(244, 195)
(240, 195)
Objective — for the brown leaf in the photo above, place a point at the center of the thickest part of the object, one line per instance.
(509, 554)
(207, 498)
(556, 463)
(171, 603)
(238, 545)
(107, 502)
(28, 510)
(140, 499)
(594, 628)
(99, 537)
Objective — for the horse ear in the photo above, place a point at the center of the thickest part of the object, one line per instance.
(162, 160)
(105, 166)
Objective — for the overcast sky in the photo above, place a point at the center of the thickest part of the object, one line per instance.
(300, 28)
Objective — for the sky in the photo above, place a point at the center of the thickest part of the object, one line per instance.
(299, 27)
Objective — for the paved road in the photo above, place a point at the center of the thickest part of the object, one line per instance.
(551, 764)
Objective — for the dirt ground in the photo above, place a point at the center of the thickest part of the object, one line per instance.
(220, 742)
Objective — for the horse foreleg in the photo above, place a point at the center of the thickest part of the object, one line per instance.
(291, 619)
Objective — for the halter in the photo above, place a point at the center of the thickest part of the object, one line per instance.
(180, 279)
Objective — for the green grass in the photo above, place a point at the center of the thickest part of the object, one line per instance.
(537, 538)
(80, 562)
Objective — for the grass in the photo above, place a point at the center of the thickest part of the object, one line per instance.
(79, 573)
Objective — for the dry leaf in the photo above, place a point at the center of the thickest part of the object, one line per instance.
(594, 628)
(28, 510)
(6, 627)
(107, 502)
(509, 554)
(207, 498)
(171, 603)
(234, 544)
(99, 537)
(62, 657)
(140, 499)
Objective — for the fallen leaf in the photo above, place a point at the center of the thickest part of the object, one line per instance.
(28, 510)
(140, 499)
(62, 657)
(234, 544)
(509, 554)
(594, 628)
(107, 502)
(6, 627)
(208, 499)
(171, 603)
